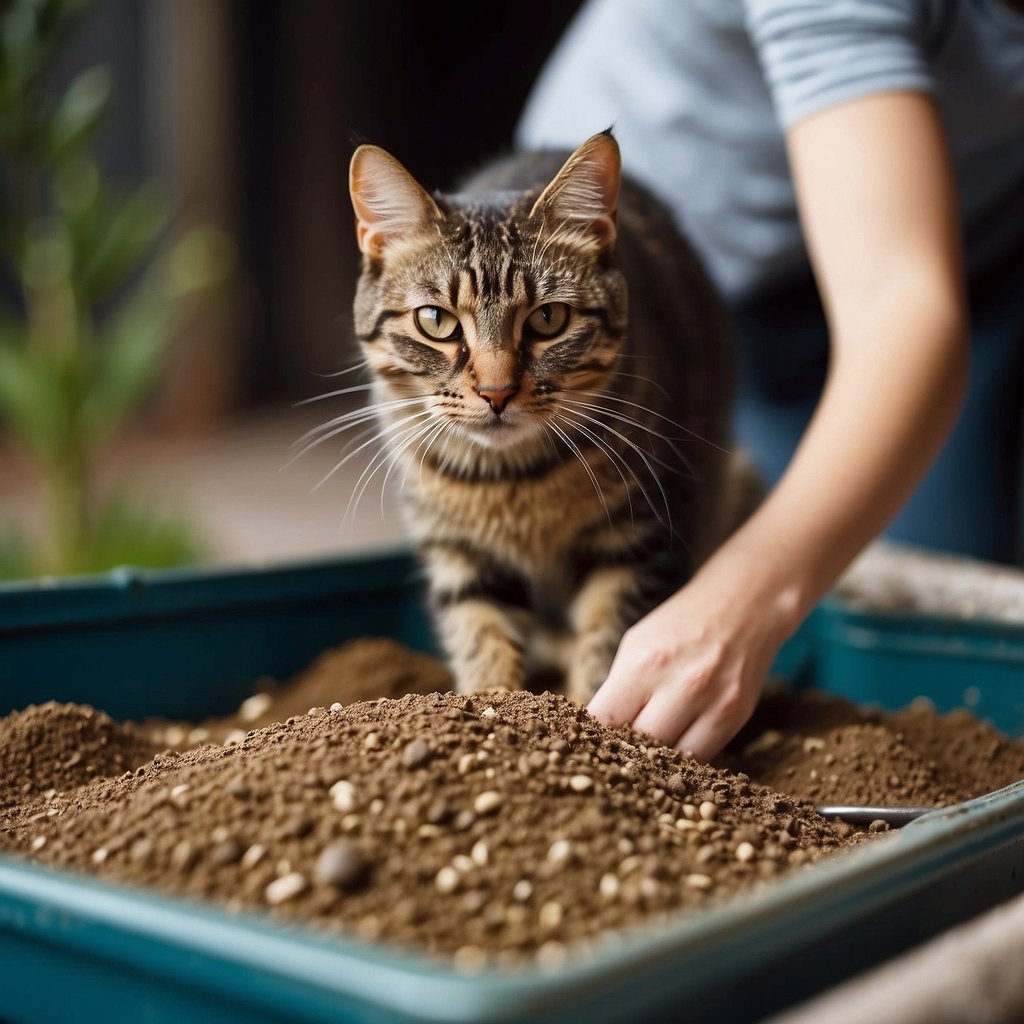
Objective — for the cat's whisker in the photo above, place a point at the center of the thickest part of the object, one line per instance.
(629, 421)
(651, 412)
(643, 379)
(378, 436)
(586, 465)
(342, 423)
(378, 460)
(362, 364)
(397, 453)
(609, 453)
(443, 427)
(650, 469)
(354, 389)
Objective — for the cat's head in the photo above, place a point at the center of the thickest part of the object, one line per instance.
(489, 307)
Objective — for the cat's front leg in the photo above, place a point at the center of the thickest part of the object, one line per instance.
(482, 618)
(599, 616)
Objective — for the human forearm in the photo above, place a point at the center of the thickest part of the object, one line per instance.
(895, 387)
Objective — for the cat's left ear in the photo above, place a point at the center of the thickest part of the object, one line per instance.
(388, 201)
(585, 193)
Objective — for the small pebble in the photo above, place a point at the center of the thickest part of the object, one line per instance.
(337, 706)
(608, 886)
(285, 888)
(255, 707)
(342, 795)
(480, 854)
(697, 881)
(446, 880)
(550, 915)
(708, 810)
(581, 783)
(559, 851)
(342, 864)
(745, 852)
(522, 890)
(416, 753)
(253, 856)
(488, 801)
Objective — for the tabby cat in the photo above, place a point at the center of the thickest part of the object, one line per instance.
(564, 456)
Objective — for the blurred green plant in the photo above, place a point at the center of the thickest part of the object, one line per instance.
(96, 279)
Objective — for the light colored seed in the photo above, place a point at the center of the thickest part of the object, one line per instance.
(38, 843)
(745, 852)
(350, 822)
(488, 712)
(630, 864)
(608, 886)
(255, 707)
(666, 819)
(481, 755)
(554, 756)
(581, 783)
(813, 743)
(337, 706)
(100, 855)
(697, 881)
(285, 888)
(690, 811)
(649, 887)
(480, 854)
(376, 805)
(550, 916)
(522, 890)
(220, 834)
(314, 712)
(234, 737)
(199, 735)
(372, 740)
(489, 773)
(447, 880)
(708, 811)
(463, 863)
(768, 740)
(175, 736)
(705, 827)
(466, 763)
(551, 956)
(489, 800)
(625, 846)
(253, 856)
(469, 959)
(283, 867)
(684, 823)
(179, 791)
(559, 851)
(428, 831)
(343, 795)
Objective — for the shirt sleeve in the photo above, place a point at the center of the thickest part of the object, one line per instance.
(816, 54)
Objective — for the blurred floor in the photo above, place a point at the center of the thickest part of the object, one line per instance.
(251, 501)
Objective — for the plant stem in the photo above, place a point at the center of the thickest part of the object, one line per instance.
(67, 496)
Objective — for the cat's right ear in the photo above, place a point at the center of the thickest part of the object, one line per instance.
(387, 199)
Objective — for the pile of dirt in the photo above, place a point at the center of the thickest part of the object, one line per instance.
(822, 749)
(499, 828)
(62, 746)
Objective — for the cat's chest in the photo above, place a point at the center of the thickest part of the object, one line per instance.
(532, 523)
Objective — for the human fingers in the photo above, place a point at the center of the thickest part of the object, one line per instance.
(709, 732)
(667, 716)
(621, 696)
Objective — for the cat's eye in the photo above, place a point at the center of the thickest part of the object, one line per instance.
(438, 324)
(548, 320)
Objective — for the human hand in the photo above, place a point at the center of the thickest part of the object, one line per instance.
(691, 671)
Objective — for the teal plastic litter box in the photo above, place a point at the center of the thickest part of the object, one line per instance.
(190, 643)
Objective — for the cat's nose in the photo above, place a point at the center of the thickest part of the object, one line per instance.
(497, 397)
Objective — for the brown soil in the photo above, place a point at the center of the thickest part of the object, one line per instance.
(495, 828)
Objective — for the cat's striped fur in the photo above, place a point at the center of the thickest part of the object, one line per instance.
(558, 487)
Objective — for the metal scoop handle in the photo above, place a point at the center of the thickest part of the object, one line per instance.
(865, 815)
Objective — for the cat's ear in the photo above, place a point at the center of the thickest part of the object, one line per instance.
(584, 195)
(387, 199)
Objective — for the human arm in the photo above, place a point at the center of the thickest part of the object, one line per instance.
(877, 201)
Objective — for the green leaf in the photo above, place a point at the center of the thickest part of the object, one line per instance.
(112, 246)
(129, 356)
(31, 401)
(79, 112)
